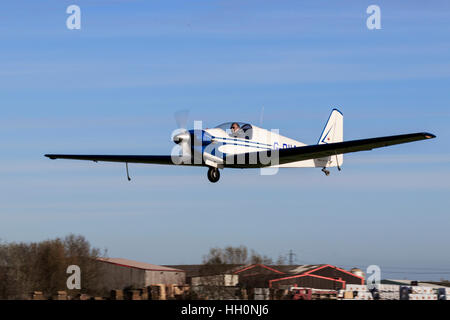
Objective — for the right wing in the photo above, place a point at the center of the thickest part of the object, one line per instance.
(325, 150)
(332, 149)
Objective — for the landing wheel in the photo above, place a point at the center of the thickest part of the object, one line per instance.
(213, 174)
(327, 173)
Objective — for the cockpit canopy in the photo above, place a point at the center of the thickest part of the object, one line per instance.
(243, 131)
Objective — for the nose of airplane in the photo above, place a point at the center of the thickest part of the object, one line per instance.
(178, 138)
(195, 137)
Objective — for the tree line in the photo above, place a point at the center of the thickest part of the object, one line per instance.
(42, 266)
(239, 255)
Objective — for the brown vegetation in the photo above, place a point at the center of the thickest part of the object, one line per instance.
(235, 255)
(41, 266)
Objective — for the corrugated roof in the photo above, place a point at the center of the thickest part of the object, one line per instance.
(194, 270)
(138, 265)
(437, 284)
(297, 269)
(201, 269)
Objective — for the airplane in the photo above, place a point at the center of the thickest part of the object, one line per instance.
(244, 145)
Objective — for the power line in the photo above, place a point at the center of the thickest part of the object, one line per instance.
(291, 257)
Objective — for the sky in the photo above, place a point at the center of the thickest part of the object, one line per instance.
(113, 86)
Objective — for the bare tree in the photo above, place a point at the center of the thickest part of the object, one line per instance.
(26, 267)
(219, 264)
(281, 260)
(262, 259)
(235, 256)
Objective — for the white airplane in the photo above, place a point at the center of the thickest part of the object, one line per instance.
(244, 145)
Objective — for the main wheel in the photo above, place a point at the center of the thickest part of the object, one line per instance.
(213, 174)
(327, 173)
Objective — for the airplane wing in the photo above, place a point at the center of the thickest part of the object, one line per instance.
(115, 158)
(325, 150)
(285, 155)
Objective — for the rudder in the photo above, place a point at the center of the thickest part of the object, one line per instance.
(332, 133)
(334, 129)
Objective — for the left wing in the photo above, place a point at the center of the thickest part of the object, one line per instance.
(115, 158)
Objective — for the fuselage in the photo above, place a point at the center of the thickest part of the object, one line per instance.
(221, 142)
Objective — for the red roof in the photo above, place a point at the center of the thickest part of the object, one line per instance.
(138, 265)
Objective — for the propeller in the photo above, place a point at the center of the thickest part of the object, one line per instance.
(181, 135)
(181, 118)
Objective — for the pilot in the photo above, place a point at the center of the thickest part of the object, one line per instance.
(235, 127)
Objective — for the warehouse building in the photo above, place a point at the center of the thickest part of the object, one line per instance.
(323, 276)
(320, 276)
(212, 281)
(195, 272)
(121, 273)
(257, 275)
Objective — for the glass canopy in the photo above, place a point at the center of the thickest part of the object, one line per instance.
(237, 129)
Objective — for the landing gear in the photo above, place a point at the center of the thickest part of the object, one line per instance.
(327, 173)
(213, 174)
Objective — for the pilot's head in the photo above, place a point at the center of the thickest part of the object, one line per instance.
(234, 127)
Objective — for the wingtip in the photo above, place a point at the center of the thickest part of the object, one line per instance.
(50, 156)
(429, 135)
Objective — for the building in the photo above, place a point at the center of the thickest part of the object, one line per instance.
(257, 275)
(196, 272)
(121, 273)
(209, 281)
(322, 276)
(223, 280)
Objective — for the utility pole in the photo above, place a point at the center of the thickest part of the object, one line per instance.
(291, 257)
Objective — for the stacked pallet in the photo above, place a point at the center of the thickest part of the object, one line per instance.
(323, 294)
(355, 292)
(244, 294)
(356, 287)
(116, 295)
(419, 296)
(389, 292)
(133, 295)
(60, 295)
(364, 295)
(422, 293)
(422, 290)
(279, 294)
(37, 295)
(82, 296)
(261, 294)
(158, 292)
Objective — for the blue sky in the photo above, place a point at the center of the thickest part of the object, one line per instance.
(114, 86)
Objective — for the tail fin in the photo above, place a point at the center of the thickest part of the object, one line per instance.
(334, 129)
(333, 132)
